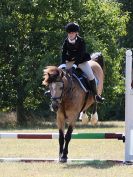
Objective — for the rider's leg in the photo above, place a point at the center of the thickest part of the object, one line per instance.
(98, 98)
(85, 67)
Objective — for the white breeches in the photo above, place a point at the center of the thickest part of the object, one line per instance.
(85, 67)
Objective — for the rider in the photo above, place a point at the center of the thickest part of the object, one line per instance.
(74, 52)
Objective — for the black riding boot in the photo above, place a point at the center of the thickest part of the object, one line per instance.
(97, 97)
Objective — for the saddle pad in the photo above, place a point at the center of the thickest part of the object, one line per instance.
(83, 81)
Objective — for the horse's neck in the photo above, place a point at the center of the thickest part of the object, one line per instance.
(68, 83)
(70, 86)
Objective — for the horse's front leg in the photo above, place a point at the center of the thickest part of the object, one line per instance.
(61, 126)
(61, 143)
(67, 140)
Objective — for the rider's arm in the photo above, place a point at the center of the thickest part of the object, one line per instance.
(81, 52)
(64, 53)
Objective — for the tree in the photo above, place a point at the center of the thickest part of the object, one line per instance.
(127, 41)
(21, 52)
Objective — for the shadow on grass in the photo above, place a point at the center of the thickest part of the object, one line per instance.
(97, 164)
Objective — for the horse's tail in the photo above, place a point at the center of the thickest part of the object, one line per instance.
(98, 57)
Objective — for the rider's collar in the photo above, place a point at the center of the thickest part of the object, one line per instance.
(72, 41)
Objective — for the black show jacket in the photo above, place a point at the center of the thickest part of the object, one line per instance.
(74, 52)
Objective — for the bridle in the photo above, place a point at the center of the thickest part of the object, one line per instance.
(58, 99)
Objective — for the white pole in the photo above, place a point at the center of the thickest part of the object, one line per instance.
(129, 109)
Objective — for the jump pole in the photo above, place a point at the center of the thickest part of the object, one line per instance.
(129, 109)
(82, 136)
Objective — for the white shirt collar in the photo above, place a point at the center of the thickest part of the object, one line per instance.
(72, 41)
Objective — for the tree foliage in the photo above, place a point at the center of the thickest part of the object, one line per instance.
(32, 32)
(127, 41)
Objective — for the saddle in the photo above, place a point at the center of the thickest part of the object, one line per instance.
(81, 77)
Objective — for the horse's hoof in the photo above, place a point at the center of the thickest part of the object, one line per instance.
(63, 159)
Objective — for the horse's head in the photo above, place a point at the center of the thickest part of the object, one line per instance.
(53, 78)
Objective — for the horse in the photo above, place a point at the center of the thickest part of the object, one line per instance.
(69, 99)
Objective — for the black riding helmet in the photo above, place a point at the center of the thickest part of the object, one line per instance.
(72, 27)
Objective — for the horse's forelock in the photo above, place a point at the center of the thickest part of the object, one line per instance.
(50, 74)
(51, 70)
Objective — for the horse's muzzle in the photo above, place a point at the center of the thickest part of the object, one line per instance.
(54, 106)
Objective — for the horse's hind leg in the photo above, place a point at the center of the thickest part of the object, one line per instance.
(94, 115)
(67, 140)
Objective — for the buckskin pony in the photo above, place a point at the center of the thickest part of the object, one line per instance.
(69, 99)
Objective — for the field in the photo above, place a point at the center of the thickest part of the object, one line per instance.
(82, 149)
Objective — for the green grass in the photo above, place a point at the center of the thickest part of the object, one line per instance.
(91, 149)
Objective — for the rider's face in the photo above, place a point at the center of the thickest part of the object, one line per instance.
(72, 35)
